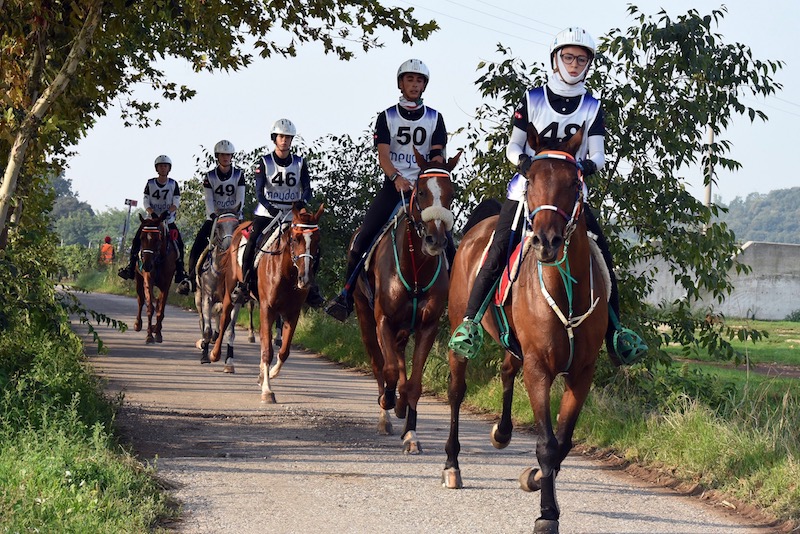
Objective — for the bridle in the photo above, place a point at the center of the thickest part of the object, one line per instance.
(219, 240)
(155, 230)
(302, 229)
(430, 213)
(572, 219)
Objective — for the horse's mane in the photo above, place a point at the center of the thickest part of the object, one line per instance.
(487, 208)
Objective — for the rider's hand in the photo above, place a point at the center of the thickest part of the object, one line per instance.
(588, 166)
(524, 164)
(401, 184)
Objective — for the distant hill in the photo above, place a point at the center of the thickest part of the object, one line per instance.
(773, 217)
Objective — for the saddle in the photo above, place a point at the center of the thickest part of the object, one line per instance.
(266, 242)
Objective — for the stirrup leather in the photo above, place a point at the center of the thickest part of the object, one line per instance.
(467, 339)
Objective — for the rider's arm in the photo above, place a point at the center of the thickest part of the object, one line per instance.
(209, 192)
(240, 191)
(597, 136)
(261, 184)
(519, 135)
(176, 198)
(146, 199)
(305, 182)
(438, 141)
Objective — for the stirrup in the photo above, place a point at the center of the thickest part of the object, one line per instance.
(127, 273)
(467, 339)
(339, 307)
(240, 293)
(628, 345)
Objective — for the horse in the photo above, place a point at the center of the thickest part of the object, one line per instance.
(285, 275)
(156, 267)
(209, 271)
(558, 312)
(403, 291)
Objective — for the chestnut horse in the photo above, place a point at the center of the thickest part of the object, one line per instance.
(285, 275)
(558, 312)
(403, 291)
(210, 281)
(156, 267)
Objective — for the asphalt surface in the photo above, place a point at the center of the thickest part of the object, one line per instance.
(314, 460)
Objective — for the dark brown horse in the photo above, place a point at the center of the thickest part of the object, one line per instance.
(155, 269)
(403, 291)
(558, 312)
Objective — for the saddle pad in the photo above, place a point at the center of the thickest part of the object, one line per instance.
(510, 272)
(267, 244)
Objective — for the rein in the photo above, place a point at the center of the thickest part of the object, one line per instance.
(569, 321)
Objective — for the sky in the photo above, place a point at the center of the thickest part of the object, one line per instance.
(323, 95)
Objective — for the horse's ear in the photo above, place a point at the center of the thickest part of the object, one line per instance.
(141, 219)
(319, 211)
(534, 141)
(452, 162)
(422, 163)
(574, 144)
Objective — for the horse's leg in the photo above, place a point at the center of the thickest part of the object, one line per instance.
(267, 318)
(161, 305)
(500, 435)
(231, 335)
(151, 306)
(538, 383)
(226, 308)
(285, 329)
(456, 389)
(140, 300)
(411, 390)
(369, 327)
(388, 343)
(251, 334)
(278, 331)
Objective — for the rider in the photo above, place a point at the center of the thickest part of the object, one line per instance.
(224, 189)
(160, 194)
(282, 180)
(557, 110)
(398, 130)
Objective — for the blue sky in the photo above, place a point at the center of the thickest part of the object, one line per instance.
(322, 95)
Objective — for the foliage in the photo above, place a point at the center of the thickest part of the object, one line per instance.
(773, 217)
(661, 82)
(794, 316)
(64, 63)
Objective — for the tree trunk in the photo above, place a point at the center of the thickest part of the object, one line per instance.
(40, 108)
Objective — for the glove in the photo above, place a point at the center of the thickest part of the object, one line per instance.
(524, 164)
(164, 215)
(212, 216)
(588, 167)
(273, 211)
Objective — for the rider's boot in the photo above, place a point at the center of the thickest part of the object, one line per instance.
(187, 285)
(314, 298)
(180, 273)
(240, 292)
(467, 338)
(341, 306)
(129, 271)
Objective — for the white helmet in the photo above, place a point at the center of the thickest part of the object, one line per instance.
(224, 147)
(163, 159)
(573, 36)
(414, 66)
(283, 127)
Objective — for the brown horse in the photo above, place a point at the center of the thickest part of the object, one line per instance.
(155, 269)
(403, 291)
(285, 276)
(558, 313)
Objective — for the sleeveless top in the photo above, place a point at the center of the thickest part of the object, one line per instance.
(160, 197)
(226, 192)
(407, 134)
(554, 126)
(282, 185)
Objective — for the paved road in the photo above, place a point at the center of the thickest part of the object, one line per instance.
(314, 460)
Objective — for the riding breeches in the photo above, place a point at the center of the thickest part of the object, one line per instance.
(259, 224)
(200, 243)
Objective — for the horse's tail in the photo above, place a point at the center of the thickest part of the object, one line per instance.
(487, 208)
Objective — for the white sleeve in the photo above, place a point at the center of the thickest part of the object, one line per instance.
(516, 145)
(597, 152)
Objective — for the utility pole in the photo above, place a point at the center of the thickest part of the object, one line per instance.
(709, 172)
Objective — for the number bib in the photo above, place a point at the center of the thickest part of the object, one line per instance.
(161, 197)
(407, 134)
(282, 185)
(224, 190)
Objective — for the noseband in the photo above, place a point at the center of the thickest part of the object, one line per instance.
(572, 220)
(431, 213)
(304, 229)
(150, 230)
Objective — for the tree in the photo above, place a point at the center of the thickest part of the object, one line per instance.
(63, 62)
(662, 82)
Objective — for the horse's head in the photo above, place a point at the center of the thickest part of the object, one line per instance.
(555, 189)
(225, 223)
(431, 201)
(153, 238)
(304, 243)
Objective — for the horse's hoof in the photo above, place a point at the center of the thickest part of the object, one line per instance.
(214, 357)
(545, 526)
(385, 428)
(268, 398)
(251, 339)
(499, 441)
(149, 341)
(137, 327)
(451, 478)
(229, 369)
(529, 481)
(204, 359)
(159, 339)
(410, 443)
